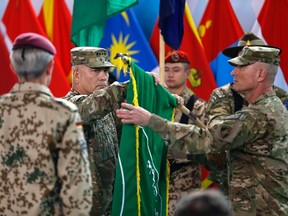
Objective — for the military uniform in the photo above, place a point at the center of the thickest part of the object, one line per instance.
(225, 101)
(256, 137)
(185, 174)
(44, 160)
(98, 114)
(259, 169)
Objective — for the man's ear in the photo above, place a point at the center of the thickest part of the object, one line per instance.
(262, 74)
(187, 73)
(76, 74)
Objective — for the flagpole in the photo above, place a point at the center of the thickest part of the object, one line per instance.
(161, 58)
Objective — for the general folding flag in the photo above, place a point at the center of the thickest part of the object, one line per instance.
(124, 35)
(219, 28)
(142, 175)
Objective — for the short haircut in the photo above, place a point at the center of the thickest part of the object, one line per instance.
(30, 62)
(208, 202)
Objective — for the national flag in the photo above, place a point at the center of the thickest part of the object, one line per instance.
(219, 28)
(273, 20)
(124, 35)
(56, 20)
(19, 18)
(201, 79)
(142, 180)
(171, 25)
(8, 77)
(147, 22)
(89, 19)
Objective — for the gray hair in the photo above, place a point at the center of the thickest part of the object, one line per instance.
(30, 63)
(271, 71)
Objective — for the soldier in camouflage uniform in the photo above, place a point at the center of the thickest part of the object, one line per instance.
(257, 134)
(90, 74)
(44, 160)
(185, 175)
(225, 101)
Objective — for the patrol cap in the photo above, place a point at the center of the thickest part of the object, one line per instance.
(33, 40)
(93, 57)
(252, 54)
(248, 39)
(176, 57)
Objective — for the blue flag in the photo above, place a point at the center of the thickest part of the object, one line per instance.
(171, 23)
(124, 35)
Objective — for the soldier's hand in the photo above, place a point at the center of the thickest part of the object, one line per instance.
(156, 77)
(130, 114)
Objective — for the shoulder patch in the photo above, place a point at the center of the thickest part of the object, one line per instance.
(65, 103)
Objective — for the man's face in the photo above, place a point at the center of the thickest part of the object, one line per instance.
(90, 79)
(245, 78)
(176, 74)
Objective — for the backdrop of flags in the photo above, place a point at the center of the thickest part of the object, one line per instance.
(8, 77)
(20, 17)
(89, 19)
(124, 35)
(219, 28)
(201, 79)
(56, 19)
(273, 26)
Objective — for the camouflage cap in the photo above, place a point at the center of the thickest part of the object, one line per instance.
(93, 57)
(252, 54)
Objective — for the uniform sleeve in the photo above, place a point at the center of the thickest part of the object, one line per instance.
(245, 126)
(219, 106)
(188, 139)
(73, 170)
(103, 101)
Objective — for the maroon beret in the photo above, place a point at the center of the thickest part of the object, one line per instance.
(177, 56)
(33, 40)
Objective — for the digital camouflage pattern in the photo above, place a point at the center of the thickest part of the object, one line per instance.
(97, 111)
(252, 54)
(185, 174)
(258, 136)
(44, 161)
(221, 104)
(93, 57)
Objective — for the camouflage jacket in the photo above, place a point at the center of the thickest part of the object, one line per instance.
(44, 161)
(223, 102)
(100, 128)
(258, 135)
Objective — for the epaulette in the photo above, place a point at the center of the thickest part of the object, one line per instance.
(67, 104)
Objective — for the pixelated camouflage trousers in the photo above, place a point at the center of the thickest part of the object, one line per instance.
(183, 180)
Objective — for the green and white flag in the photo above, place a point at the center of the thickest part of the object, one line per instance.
(142, 175)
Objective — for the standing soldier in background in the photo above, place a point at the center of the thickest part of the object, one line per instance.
(185, 174)
(44, 164)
